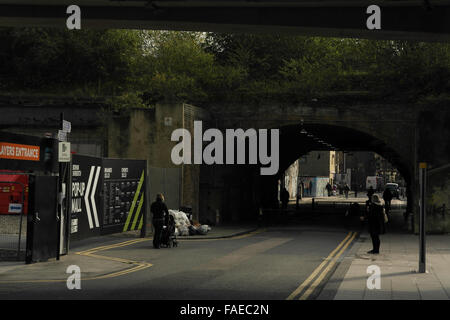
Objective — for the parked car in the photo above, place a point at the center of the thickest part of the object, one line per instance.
(394, 189)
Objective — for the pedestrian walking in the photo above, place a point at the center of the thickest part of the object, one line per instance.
(376, 220)
(284, 197)
(387, 197)
(300, 193)
(370, 193)
(346, 190)
(352, 211)
(329, 188)
(306, 190)
(159, 220)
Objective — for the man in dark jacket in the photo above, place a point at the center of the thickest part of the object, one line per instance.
(370, 193)
(346, 190)
(375, 219)
(284, 197)
(387, 197)
(329, 188)
(160, 218)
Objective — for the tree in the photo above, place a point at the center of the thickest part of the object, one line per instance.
(138, 68)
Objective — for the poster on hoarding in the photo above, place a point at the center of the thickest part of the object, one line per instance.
(108, 196)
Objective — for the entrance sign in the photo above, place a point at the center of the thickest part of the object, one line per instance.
(28, 153)
(19, 151)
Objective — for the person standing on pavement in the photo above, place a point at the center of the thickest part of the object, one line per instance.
(160, 219)
(375, 219)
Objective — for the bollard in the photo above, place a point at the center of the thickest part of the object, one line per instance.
(313, 204)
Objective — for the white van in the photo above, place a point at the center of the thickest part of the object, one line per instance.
(373, 181)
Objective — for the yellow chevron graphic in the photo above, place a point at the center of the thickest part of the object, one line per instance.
(136, 195)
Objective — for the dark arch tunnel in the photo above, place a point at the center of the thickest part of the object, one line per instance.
(257, 191)
(297, 140)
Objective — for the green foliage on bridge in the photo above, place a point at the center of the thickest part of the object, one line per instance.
(139, 68)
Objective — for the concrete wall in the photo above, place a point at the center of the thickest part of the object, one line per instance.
(146, 134)
(39, 116)
(362, 165)
(318, 164)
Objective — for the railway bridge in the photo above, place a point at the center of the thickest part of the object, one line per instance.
(404, 134)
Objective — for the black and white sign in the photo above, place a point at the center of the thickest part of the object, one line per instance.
(62, 136)
(66, 126)
(85, 206)
(64, 152)
(108, 196)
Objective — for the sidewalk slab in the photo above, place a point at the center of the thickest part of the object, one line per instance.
(398, 262)
(9, 266)
(54, 270)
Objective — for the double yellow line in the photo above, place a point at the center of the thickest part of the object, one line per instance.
(331, 260)
(138, 265)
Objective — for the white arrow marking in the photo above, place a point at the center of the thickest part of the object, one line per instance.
(86, 197)
(94, 188)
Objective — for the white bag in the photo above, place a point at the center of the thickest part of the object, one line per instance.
(203, 229)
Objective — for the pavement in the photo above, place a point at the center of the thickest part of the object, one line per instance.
(398, 263)
(361, 199)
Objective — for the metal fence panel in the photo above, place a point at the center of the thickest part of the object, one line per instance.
(168, 182)
(13, 221)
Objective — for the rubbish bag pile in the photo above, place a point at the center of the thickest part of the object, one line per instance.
(183, 226)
